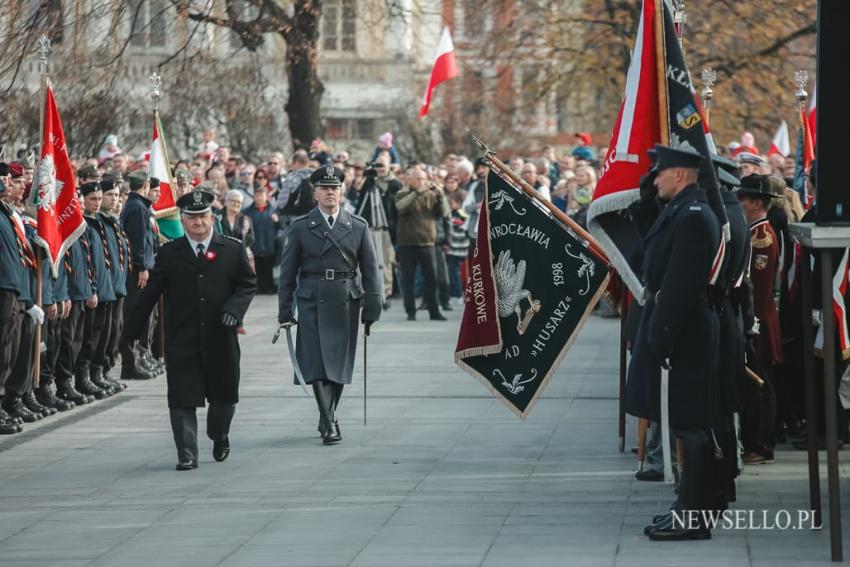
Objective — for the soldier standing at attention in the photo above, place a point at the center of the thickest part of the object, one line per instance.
(330, 258)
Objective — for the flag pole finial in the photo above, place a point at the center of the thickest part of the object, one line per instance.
(43, 53)
(156, 89)
(709, 76)
(680, 18)
(484, 148)
(801, 79)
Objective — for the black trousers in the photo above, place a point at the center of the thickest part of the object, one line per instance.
(21, 381)
(95, 335)
(11, 314)
(264, 266)
(116, 325)
(71, 339)
(423, 256)
(442, 274)
(51, 332)
(128, 353)
(694, 485)
(184, 426)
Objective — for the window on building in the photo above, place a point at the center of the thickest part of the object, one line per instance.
(149, 23)
(339, 25)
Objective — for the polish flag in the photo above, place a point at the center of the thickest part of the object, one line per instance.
(781, 144)
(812, 116)
(444, 69)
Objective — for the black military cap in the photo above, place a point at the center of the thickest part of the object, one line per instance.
(727, 170)
(327, 176)
(89, 187)
(109, 182)
(668, 156)
(88, 171)
(755, 185)
(195, 202)
(154, 182)
(481, 161)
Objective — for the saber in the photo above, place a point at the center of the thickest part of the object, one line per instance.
(665, 424)
(292, 357)
(365, 336)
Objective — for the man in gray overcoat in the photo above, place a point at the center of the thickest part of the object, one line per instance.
(329, 266)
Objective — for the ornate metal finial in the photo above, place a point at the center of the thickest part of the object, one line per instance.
(680, 18)
(709, 75)
(156, 89)
(43, 52)
(801, 78)
(487, 151)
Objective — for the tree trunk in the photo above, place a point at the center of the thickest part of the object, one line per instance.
(305, 89)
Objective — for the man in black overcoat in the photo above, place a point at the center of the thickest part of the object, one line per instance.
(678, 327)
(208, 285)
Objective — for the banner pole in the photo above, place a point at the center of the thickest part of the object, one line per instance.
(506, 171)
(624, 307)
(43, 54)
(661, 69)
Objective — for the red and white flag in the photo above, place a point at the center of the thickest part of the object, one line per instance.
(158, 167)
(445, 68)
(54, 200)
(812, 116)
(781, 144)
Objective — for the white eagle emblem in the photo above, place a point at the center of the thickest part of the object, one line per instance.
(329, 171)
(510, 278)
(48, 186)
(198, 197)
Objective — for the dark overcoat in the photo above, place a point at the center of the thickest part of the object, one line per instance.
(735, 265)
(329, 311)
(201, 354)
(678, 324)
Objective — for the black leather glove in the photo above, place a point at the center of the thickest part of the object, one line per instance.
(286, 319)
(367, 326)
(228, 320)
(648, 190)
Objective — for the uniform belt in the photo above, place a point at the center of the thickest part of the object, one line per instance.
(329, 275)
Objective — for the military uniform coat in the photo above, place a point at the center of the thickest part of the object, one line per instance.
(678, 324)
(764, 266)
(329, 311)
(201, 354)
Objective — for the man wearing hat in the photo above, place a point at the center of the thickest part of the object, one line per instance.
(757, 428)
(208, 285)
(678, 328)
(182, 181)
(12, 309)
(329, 256)
(751, 163)
(136, 224)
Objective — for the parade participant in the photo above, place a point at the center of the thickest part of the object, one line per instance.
(765, 346)
(328, 256)
(208, 285)
(182, 182)
(678, 329)
(751, 163)
(119, 252)
(136, 224)
(97, 316)
(419, 205)
(16, 261)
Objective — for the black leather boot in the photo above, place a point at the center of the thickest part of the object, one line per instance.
(85, 387)
(8, 426)
(47, 397)
(66, 391)
(34, 406)
(325, 398)
(16, 408)
(115, 384)
(96, 377)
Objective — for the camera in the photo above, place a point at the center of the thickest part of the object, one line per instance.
(370, 170)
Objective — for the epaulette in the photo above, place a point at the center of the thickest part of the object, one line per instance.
(302, 217)
(358, 218)
(760, 242)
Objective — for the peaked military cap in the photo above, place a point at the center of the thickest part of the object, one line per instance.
(755, 185)
(137, 179)
(88, 171)
(668, 156)
(89, 187)
(182, 175)
(727, 170)
(327, 176)
(154, 182)
(195, 202)
(749, 157)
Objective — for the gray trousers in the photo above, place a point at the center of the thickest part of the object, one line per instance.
(184, 425)
(654, 452)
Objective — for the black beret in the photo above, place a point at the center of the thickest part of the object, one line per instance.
(89, 187)
(328, 176)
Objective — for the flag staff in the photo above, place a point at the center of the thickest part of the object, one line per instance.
(801, 79)
(43, 56)
(155, 82)
(680, 18)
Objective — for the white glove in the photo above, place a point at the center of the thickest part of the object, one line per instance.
(37, 314)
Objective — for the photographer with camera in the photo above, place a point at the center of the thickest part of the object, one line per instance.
(376, 204)
(419, 206)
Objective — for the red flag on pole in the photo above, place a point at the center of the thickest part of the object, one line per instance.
(780, 144)
(444, 69)
(54, 195)
(812, 117)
